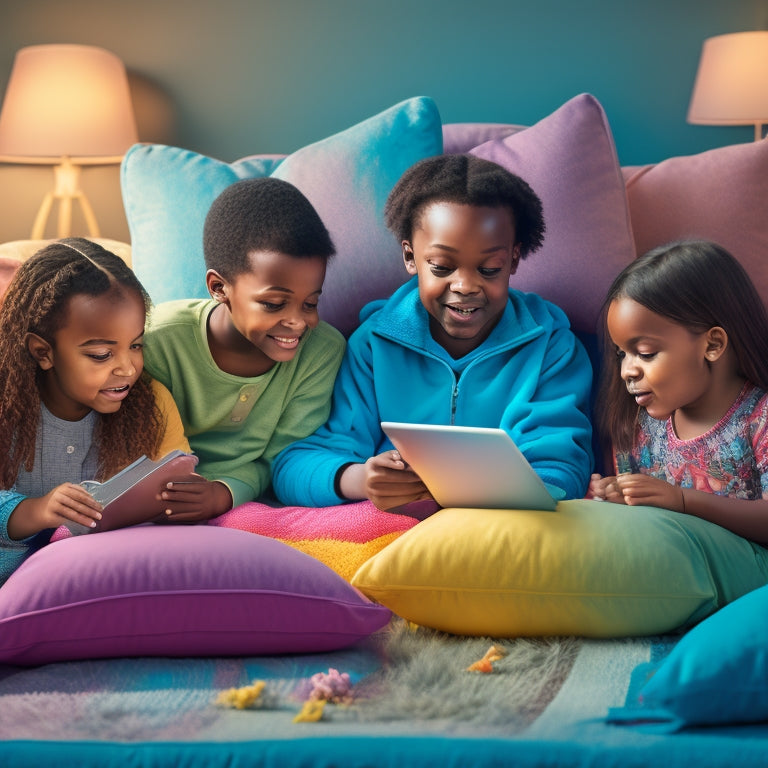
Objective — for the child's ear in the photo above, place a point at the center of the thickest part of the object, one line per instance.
(408, 258)
(515, 259)
(217, 285)
(717, 343)
(39, 350)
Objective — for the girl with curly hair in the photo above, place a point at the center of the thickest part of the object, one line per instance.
(74, 401)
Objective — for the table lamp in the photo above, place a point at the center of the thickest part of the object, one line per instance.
(66, 106)
(731, 85)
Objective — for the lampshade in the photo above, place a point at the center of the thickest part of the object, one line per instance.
(67, 105)
(66, 101)
(731, 85)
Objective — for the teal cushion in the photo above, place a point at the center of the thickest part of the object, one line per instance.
(167, 192)
(717, 674)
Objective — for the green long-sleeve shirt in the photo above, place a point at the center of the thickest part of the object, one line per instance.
(237, 425)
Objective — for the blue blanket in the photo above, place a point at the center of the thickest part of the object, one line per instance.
(413, 703)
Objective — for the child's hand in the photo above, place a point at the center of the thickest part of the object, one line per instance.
(605, 489)
(645, 490)
(194, 501)
(65, 503)
(390, 482)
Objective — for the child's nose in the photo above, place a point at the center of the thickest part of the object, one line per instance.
(124, 366)
(464, 282)
(294, 321)
(629, 369)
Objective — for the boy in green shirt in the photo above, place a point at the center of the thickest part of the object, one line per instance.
(252, 368)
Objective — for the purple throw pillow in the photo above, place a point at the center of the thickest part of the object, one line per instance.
(177, 591)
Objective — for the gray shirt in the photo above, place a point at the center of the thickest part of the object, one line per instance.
(64, 453)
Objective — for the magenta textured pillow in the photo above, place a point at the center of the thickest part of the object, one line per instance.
(177, 591)
(718, 195)
(569, 159)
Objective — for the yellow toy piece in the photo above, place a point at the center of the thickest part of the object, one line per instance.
(311, 711)
(485, 665)
(241, 698)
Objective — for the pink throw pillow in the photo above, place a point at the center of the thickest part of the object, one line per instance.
(719, 195)
(343, 537)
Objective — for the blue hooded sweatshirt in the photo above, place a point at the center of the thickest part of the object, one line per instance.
(530, 377)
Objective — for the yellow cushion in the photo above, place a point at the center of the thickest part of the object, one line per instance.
(590, 568)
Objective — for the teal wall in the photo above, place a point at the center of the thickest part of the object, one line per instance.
(245, 76)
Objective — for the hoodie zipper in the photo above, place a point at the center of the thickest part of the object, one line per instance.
(454, 398)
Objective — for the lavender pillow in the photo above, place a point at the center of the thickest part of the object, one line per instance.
(569, 159)
(461, 137)
(177, 591)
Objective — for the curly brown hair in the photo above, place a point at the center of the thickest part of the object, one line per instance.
(36, 302)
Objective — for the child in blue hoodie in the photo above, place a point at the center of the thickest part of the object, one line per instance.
(454, 345)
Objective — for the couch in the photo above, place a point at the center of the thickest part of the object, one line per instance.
(599, 595)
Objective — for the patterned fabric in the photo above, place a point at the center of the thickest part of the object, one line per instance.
(731, 459)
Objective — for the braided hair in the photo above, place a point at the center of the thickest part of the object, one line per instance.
(36, 302)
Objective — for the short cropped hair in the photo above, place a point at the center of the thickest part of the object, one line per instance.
(466, 180)
(263, 214)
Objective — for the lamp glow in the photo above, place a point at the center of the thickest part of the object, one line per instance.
(731, 85)
(67, 106)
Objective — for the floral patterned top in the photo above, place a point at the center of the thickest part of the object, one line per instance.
(731, 459)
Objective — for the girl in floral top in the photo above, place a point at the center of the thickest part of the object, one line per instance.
(685, 407)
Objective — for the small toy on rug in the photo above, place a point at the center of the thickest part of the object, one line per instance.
(333, 687)
(485, 665)
(323, 688)
(311, 711)
(246, 697)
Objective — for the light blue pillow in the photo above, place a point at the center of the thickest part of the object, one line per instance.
(167, 192)
(716, 675)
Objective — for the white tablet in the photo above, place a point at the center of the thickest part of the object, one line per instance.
(471, 466)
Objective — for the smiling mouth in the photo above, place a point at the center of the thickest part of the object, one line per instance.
(124, 388)
(287, 341)
(462, 311)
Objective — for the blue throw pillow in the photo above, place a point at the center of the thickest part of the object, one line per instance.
(167, 193)
(717, 674)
